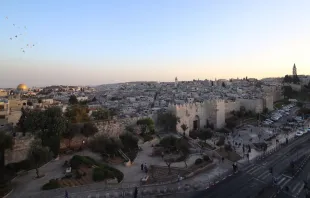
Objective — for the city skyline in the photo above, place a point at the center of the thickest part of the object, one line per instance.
(99, 43)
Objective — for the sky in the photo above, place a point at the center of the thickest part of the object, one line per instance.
(95, 42)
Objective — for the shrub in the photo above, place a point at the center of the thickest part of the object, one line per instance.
(198, 161)
(221, 141)
(78, 175)
(18, 166)
(78, 160)
(52, 184)
(206, 158)
(100, 174)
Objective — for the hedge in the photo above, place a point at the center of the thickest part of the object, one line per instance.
(52, 184)
(101, 172)
(78, 160)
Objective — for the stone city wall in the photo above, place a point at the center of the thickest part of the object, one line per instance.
(20, 149)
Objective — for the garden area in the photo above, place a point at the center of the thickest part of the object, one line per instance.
(81, 170)
(115, 150)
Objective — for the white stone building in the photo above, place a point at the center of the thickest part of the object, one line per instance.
(197, 115)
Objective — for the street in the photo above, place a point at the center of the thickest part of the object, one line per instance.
(251, 179)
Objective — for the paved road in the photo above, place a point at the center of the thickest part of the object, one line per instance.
(252, 178)
(296, 185)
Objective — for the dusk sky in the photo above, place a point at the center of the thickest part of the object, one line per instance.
(99, 41)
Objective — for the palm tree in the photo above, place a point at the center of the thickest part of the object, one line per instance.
(184, 128)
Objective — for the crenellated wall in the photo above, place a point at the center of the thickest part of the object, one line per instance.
(231, 106)
(211, 110)
(20, 149)
(254, 105)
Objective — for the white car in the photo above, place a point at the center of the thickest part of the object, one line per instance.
(299, 133)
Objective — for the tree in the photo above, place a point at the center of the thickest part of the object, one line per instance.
(73, 100)
(184, 128)
(21, 122)
(287, 91)
(101, 114)
(168, 121)
(94, 99)
(72, 130)
(259, 135)
(287, 79)
(300, 104)
(38, 155)
(231, 123)
(146, 124)
(105, 146)
(223, 84)
(77, 114)
(205, 134)
(169, 142)
(129, 141)
(89, 129)
(169, 159)
(48, 125)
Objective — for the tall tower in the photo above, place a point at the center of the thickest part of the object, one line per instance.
(294, 70)
(176, 81)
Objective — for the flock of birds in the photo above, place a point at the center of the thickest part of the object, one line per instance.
(20, 36)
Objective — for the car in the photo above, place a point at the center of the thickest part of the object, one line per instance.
(299, 133)
(308, 130)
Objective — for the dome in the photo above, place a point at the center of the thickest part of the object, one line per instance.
(22, 87)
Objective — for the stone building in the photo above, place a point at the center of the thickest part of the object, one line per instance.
(198, 115)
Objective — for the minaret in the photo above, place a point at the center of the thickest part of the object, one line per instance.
(294, 70)
(176, 81)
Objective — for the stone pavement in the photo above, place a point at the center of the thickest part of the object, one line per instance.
(26, 185)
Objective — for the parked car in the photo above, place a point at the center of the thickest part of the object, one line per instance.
(299, 133)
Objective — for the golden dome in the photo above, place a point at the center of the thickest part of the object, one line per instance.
(22, 87)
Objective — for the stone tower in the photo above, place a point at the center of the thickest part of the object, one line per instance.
(294, 70)
(176, 81)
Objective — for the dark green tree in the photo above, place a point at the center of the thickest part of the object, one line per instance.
(105, 146)
(77, 114)
(223, 84)
(146, 124)
(101, 114)
(184, 128)
(129, 141)
(21, 121)
(89, 129)
(287, 91)
(71, 132)
(38, 155)
(73, 100)
(168, 121)
(48, 125)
